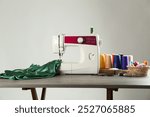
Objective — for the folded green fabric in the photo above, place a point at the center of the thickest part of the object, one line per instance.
(49, 69)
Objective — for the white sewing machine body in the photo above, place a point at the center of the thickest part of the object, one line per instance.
(88, 62)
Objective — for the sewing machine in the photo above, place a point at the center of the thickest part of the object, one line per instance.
(89, 52)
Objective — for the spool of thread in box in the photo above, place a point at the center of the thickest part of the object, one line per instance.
(117, 61)
(125, 62)
(108, 61)
(102, 61)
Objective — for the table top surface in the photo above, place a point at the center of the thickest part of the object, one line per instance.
(79, 81)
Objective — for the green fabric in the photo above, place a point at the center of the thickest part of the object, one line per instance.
(49, 69)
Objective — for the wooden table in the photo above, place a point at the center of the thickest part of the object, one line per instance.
(112, 83)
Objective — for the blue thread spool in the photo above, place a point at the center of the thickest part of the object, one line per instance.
(125, 62)
(117, 61)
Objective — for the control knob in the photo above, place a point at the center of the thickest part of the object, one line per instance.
(80, 40)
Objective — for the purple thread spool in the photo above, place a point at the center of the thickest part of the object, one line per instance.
(125, 62)
(121, 55)
(117, 61)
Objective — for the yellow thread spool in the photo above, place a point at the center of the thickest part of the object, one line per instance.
(102, 61)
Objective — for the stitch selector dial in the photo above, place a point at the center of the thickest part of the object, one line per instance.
(80, 40)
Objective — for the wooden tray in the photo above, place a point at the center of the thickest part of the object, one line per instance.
(108, 72)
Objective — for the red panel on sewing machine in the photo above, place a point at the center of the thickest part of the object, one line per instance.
(88, 40)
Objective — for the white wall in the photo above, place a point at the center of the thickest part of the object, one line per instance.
(26, 28)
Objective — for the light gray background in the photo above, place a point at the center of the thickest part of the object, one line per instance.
(26, 28)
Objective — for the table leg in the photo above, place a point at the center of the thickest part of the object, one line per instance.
(43, 94)
(110, 93)
(34, 94)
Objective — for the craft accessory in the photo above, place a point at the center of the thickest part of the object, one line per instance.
(117, 62)
(108, 63)
(124, 62)
(102, 61)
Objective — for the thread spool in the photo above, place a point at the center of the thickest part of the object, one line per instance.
(108, 62)
(121, 55)
(117, 61)
(112, 59)
(125, 62)
(102, 61)
(91, 30)
(130, 59)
